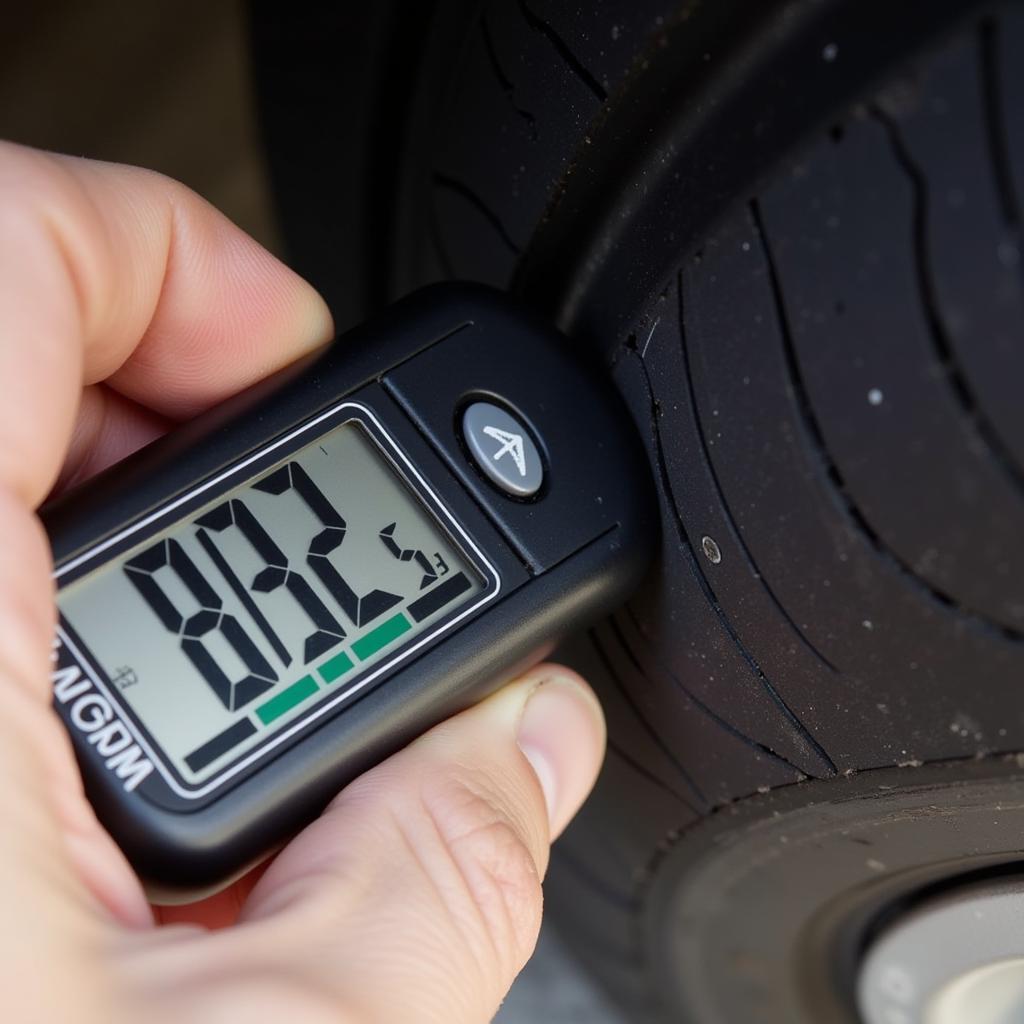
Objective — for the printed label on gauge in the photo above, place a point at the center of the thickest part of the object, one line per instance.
(226, 632)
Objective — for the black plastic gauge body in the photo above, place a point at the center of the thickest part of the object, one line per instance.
(274, 597)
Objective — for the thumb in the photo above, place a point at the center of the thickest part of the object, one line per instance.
(416, 897)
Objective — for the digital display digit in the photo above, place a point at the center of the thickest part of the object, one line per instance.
(221, 630)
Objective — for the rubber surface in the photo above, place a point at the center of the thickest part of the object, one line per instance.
(792, 235)
(829, 385)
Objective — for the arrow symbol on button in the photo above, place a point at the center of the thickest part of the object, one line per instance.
(511, 444)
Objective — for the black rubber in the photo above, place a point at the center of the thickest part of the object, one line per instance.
(792, 232)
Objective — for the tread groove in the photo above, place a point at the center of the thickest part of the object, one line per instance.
(702, 580)
(626, 757)
(539, 24)
(816, 439)
(504, 82)
(691, 784)
(995, 121)
(722, 723)
(460, 188)
(939, 334)
(723, 504)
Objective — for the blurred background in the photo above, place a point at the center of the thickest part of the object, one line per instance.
(166, 86)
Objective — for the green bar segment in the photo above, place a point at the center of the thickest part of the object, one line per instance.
(286, 700)
(335, 668)
(384, 634)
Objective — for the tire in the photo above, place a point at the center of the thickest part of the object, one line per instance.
(791, 232)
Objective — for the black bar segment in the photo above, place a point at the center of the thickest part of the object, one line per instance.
(220, 744)
(439, 596)
(243, 595)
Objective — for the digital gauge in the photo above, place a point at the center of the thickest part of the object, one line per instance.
(269, 600)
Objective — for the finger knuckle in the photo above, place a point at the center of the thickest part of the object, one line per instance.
(495, 864)
(48, 209)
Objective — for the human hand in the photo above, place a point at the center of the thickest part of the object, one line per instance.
(126, 303)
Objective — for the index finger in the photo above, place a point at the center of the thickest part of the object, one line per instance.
(114, 273)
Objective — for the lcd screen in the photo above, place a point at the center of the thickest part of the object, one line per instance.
(221, 630)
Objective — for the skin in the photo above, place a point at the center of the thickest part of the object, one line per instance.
(127, 303)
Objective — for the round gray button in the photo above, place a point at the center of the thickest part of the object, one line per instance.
(502, 447)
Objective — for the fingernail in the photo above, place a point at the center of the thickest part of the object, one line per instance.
(562, 735)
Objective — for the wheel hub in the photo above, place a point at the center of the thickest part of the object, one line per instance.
(958, 957)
